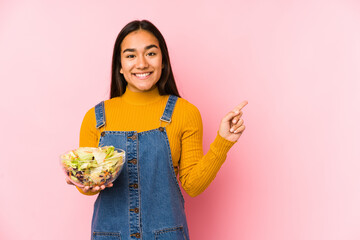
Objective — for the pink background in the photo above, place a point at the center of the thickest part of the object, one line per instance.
(294, 174)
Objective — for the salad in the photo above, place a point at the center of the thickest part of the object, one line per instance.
(88, 166)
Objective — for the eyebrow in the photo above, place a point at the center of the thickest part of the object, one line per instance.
(146, 48)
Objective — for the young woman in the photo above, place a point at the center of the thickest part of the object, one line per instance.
(161, 134)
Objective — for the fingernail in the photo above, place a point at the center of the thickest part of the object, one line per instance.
(234, 121)
(231, 130)
(236, 112)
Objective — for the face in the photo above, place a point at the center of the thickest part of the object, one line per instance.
(141, 60)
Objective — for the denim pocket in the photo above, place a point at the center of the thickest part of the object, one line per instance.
(176, 233)
(106, 236)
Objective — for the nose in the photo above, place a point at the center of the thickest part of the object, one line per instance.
(141, 62)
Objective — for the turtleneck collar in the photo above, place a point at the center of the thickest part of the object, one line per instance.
(141, 98)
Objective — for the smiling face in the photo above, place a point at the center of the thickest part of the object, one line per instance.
(141, 60)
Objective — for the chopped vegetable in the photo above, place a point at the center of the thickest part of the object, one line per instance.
(87, 166)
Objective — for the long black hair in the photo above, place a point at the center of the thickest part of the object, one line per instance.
(166, 83)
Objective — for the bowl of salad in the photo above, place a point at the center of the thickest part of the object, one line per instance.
(88, 166)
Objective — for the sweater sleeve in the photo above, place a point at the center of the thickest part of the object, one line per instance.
(88, 137)
(197, 171)
(88, 131)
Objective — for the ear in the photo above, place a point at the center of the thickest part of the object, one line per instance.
(121, 71)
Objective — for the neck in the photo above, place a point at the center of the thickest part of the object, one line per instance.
(141, 98)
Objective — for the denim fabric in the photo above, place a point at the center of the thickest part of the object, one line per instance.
(169, 109)
(145, 201)
(100, 115)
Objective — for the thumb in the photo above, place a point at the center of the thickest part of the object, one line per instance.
(236, 111)
(230, 116)
(68, 181)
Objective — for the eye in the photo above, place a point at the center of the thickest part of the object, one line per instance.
(130, 56)
(151, 54)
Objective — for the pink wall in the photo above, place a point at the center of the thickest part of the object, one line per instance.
(294, 174)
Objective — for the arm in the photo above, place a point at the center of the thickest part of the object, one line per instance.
(197, 171)
(89, 138)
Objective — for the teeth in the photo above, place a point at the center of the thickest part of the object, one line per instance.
(142, 74)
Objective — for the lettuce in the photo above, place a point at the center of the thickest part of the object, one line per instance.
(93, 166)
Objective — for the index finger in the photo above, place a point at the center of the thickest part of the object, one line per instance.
(240, 106)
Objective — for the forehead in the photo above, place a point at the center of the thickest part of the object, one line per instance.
(139, 40)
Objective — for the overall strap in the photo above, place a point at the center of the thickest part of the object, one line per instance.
(100, 114)
(166, 117)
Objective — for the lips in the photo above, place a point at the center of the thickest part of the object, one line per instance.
(142, 75)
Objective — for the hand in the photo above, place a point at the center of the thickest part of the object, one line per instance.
(91, 189)
(232, 126)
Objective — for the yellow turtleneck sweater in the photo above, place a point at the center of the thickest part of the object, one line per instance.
(141, 111)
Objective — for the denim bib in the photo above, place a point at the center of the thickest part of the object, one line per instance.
(145, 202)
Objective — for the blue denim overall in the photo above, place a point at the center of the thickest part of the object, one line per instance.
(145, 202)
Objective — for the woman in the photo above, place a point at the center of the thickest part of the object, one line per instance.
(145, 201)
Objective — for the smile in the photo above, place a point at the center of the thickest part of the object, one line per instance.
(142, 75)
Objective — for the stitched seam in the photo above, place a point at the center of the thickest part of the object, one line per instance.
(99, 114)
(166, 230)
(139, 187)
(169, 108)
(113, 234)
